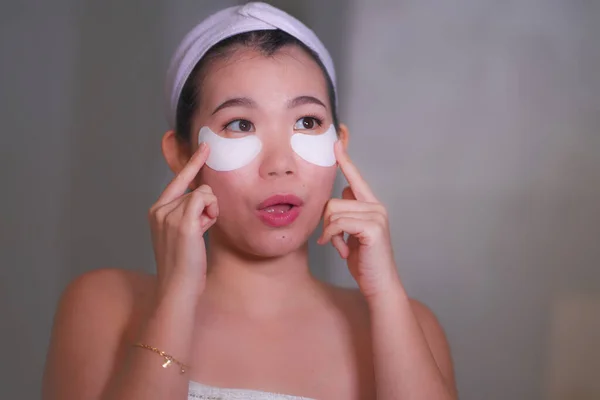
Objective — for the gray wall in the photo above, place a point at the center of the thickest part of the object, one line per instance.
(475, 122)
(478, 123)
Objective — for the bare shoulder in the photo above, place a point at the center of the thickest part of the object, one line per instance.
(104, 300)
(424, 315)
(107, 295)
(436, 340)
(355, 297)
(345, 294)
(349, 300)
(352, 297)
(430, 326)
(434, 333)
(109, 284)
(96, 314)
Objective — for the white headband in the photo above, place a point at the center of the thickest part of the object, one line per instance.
(226, 23)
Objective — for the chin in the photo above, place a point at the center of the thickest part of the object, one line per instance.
(263, 243)
(275, 244)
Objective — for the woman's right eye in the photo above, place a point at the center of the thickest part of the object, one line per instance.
(240, 125)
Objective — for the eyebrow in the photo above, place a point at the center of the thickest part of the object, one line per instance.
(236, 102)
(302, 100)
(249, 103)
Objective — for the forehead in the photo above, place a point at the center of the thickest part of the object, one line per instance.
(287, 73)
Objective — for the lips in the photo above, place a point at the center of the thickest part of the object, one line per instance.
(280, 210)
(279, 199)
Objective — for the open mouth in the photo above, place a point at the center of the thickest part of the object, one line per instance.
(280, 210)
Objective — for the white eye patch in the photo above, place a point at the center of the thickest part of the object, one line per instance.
(316, 149)
(227, 154)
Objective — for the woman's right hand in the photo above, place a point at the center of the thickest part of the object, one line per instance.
(178, 221)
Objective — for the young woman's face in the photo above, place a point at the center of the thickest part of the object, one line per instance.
(272, 98)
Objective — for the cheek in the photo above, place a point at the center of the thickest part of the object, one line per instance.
(320, 180)
(227, 186)
(323, 175)
(222, 182)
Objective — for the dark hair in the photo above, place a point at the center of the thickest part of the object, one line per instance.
(268, 42)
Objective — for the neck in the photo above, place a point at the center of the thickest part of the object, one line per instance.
(260, 287)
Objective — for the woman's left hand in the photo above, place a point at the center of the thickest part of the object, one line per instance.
(368, 249)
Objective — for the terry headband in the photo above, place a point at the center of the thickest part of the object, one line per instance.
(226, 23)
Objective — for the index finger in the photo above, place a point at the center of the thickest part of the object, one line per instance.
(359, 186)
(181, 182)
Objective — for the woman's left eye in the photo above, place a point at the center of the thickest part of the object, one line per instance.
(309, 123)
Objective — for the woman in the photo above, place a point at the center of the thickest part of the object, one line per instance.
(254, 146)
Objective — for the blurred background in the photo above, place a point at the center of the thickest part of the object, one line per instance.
(476, 122)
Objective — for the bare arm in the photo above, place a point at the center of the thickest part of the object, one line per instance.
(91, 355)
(411, 357)
(411, 354)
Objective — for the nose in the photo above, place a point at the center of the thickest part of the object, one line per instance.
(277, 158)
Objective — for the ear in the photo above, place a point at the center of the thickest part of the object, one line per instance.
(177, 153)
(343, 135)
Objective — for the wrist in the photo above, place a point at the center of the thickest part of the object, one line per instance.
(177, 298)
(177, 285)
(389, 296)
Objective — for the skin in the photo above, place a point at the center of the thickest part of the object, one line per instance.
(252, 316)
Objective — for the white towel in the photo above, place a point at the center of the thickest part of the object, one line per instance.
(226, 23)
